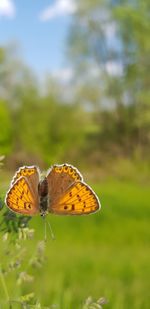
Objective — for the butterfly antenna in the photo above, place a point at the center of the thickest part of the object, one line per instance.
(45, 230)
(51, 231)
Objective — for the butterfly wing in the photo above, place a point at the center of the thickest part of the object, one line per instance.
(31, 173)
(21, 198)
(79, 199)
(60, 178)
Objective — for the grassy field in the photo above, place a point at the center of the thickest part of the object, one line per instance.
(102, 255)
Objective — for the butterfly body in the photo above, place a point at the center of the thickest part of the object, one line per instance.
(61, 192)
(43, 197)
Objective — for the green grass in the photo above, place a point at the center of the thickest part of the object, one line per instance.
(105, 254)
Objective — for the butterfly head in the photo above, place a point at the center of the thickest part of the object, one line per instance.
(43, 213)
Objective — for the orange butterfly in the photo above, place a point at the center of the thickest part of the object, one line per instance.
(61, 192)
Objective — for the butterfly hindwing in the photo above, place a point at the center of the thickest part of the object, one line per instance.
(21, 199)
(79, 199)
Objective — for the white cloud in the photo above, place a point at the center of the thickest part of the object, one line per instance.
(59, 8)
(7, 8)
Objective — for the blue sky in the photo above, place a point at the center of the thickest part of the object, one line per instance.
(41, 28)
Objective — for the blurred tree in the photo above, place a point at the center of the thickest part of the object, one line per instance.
(54, 131)
(15, 76)
(17, 85)
(106, 107)
(5, 129)
(37, 125)
(109, 46)
(134, 28)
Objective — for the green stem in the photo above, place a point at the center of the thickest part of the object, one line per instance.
(4, 284)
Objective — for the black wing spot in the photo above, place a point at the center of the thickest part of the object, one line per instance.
(65, 207)
(73, 207)
(84, 204)
(27, 205)
(21, 196)
(79, 198)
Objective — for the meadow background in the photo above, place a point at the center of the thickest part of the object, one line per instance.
(98, 119)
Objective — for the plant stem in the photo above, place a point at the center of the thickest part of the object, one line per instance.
(4, 284)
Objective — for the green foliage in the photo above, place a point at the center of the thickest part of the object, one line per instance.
(6, 129)
(51, 128)
(109, 43)
(109, 114)
(11, 223)
(97, 304)
(37, 128)
(15, 261)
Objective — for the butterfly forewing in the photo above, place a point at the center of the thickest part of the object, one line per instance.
(21, 199)
(60, 178)
(79, 199)
(29, 172)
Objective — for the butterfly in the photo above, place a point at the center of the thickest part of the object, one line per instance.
(62, 191)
